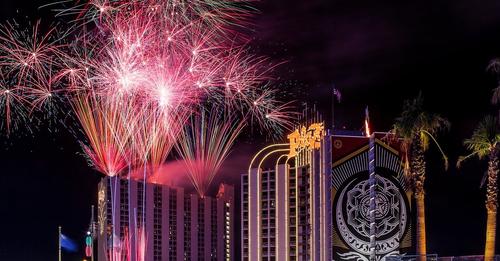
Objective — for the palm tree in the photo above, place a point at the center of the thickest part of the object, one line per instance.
(494, 66)
(416, 129)
(485, 143)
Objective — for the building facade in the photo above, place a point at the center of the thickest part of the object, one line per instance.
(285, 200)
(368, 170)
(325, 196)
(158, 223)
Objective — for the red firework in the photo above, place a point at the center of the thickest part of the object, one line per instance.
(205, 144)
(135, 72)
(139, 76)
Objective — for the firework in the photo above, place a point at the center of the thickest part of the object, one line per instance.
(165, 66)
(204, 145)
(139, 76)
(121, 248)
(105, 127)
(12, 107)
(166, 56)
(27, 59)
(141, 244)
(280, 117)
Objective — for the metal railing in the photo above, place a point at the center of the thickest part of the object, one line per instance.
(435, 257)
(430, 257)
(466, 258)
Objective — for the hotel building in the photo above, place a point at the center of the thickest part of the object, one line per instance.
(285, 200)
(323, 196)
(178, 226)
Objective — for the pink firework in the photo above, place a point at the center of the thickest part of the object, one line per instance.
(105, 127)
(28, 57)
(204, 145)
(135, 71)
(120, 250)
(166, 59)
(12, 107)
(139, 76)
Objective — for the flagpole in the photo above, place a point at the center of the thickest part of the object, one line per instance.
(92, 233)
(372, 181)
(333, 108)
(59, 250)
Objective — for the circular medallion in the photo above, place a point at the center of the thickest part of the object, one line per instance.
(337, 144)
(353, 214)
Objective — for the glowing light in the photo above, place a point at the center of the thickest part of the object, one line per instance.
(135, 95)
(164, 96)
(306, 138)
(367, 128)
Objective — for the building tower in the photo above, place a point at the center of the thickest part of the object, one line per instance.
(322, 196)
(168, 224)
(286, 194)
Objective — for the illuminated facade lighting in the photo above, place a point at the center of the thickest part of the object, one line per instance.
(324, 196)
(285, 205)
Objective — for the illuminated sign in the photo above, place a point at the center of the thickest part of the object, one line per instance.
(306, 138)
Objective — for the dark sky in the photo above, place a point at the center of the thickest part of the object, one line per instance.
(377, 54)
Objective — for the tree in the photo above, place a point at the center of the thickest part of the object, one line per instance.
(484, 143)
(494, 66)
(416, 129)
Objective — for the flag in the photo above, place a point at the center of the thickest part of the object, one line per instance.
(337, 94)
(67, 244)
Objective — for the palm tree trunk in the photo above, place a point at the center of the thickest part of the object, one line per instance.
(491, 229)
(417, 166)
(421, 237)
(491, 206)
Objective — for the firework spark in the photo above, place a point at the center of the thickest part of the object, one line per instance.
(204, 145)
(104, 125)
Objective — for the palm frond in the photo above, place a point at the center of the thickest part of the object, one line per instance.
(414, 121)
(464, 158)
(485, 137)
(495, 97)
(445, 158)
(494, 66)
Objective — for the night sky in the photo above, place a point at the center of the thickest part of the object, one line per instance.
(377, 54)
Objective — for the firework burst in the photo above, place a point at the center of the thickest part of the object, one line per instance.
(205, 143)
(139, 77)
(105, 127)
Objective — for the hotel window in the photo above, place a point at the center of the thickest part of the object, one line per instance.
(157, 218)
(124, 213)
(201, 229)
(172, 225)
(140, 203)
